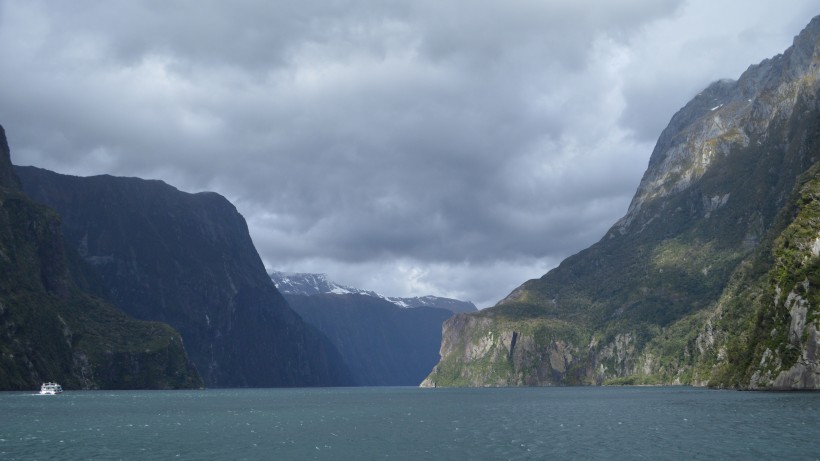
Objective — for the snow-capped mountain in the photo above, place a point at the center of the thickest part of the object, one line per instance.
(313, 284)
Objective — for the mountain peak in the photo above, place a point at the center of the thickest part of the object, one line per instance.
(7, 176)
(307, 284)
(726, 115)
(811, 31)
(806, 47)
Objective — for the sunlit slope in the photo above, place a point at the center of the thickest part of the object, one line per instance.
(675, 292)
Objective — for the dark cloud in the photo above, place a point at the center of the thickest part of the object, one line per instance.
(426, 147)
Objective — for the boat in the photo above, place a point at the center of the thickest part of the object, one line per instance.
(51, 389)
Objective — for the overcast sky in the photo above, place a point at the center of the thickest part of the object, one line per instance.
(454, 148)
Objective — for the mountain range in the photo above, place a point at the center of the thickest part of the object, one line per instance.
(308, 284)
(385, 341)
(709, 279)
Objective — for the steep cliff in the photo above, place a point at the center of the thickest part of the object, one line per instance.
(8, 180)
(763, 334)
(698, 282)
(51, 330)
(382, 344)
(188, 260)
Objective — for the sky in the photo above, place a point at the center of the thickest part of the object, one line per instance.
(452, 148)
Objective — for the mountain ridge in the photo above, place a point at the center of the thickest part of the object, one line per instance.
(307, 284)
(738, 110)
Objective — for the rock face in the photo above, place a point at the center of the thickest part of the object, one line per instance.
(784, 340)
(312, 284)
(8, 180)
(382, 344)
(709, 279)
(50, 330)
(188, 260)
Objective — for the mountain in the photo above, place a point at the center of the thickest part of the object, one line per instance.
(711, 276)
(453, 305)
(188, 260)
(311, 284)
(384, 341)
(381, 343)
(51, 330)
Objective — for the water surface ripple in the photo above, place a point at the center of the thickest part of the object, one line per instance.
(410, 423)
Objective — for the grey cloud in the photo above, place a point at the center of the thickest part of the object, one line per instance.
(455, 147)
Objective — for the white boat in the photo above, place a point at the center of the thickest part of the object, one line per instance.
(51, 389)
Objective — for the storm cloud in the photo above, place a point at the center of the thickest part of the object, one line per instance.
(426, 147)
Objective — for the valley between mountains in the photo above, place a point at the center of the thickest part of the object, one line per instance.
(710, 278)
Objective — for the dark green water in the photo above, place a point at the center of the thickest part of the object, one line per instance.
(410, 423)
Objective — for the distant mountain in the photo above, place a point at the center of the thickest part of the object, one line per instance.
(381, 343)
(188, 260)
(711, 278)
(384, 341)
(453, 305)
(311, 284)
(52, 330)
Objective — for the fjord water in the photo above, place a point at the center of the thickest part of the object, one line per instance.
(411, 423)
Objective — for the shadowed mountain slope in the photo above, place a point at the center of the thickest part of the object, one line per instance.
(50, 330)
(188, 260)
(382, 344)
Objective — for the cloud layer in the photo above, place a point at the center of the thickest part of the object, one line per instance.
(425, 147)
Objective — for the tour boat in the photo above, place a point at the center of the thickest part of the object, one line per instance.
(51, 389)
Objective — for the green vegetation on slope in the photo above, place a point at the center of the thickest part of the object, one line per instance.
(710, 277)
(779, 289)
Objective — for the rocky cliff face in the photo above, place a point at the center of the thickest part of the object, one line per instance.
(698, 282)
(188, 260)
(382, 344)
(8, 179)
(776, 347)
(725, 117)
(50, 330)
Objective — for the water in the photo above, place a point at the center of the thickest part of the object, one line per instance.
(412, 424)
